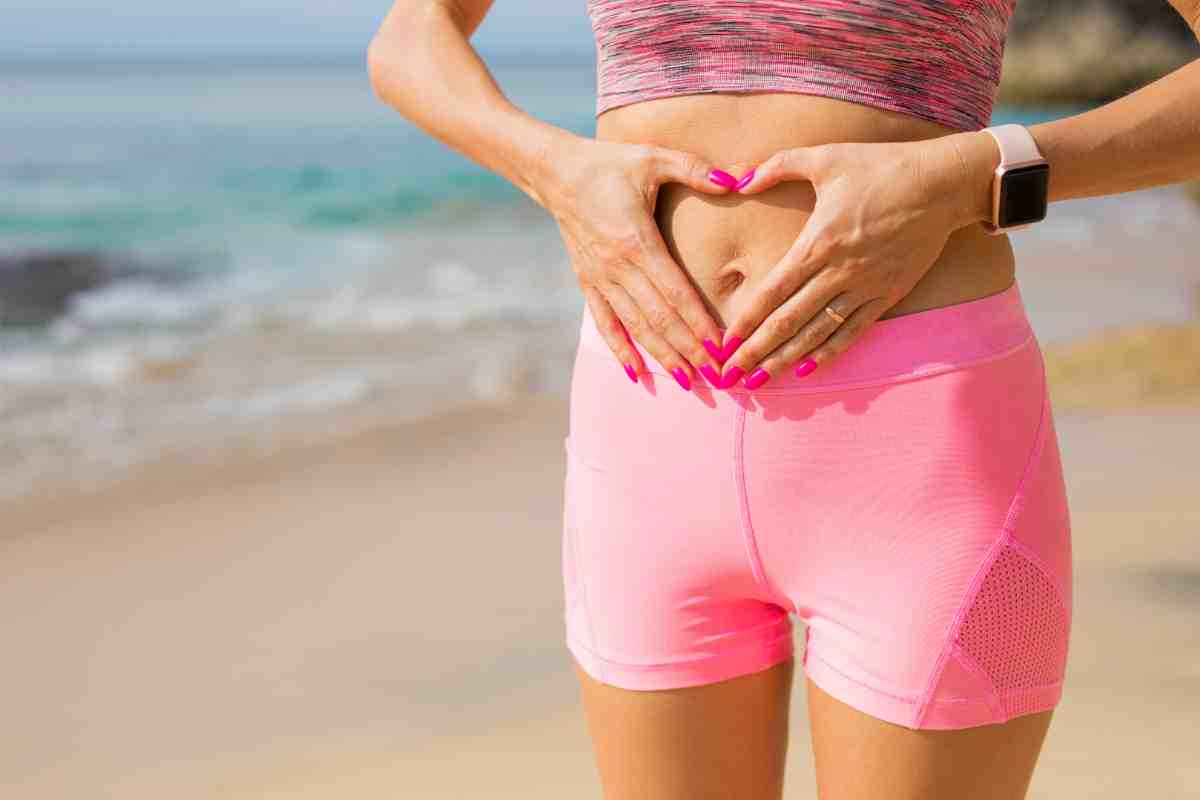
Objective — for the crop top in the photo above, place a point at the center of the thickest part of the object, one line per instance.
(935, 59)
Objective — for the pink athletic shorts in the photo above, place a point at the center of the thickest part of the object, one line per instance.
(905, 500)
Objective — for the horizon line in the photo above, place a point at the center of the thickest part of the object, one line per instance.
(492, 55)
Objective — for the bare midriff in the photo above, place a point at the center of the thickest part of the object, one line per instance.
(729, 243)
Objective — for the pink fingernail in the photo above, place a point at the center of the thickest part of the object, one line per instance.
(682, 379)
(631, 372)
(806, 366)
(757, 378)
(731, 345)
(744, 181)
(731, 377)
(710, 375)
(712, 349)
(722, 178)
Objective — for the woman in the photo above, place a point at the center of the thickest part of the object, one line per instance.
(791, 199)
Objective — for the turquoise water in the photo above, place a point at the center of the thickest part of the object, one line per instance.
(179, 159)
(224, 247)
(199, 166)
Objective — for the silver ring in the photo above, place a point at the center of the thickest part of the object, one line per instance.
(840, 319)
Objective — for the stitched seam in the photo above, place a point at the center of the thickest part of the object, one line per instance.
(1021, 694)
(900, 377)
(992, 700)
(1018, 501)
(1037, 563)
(769, 643)
(1025, 550)
(1032, 689)
(572, 534)
(968, 661)
(739, 480)
(992, 554)
(887, 380)
(568, 539)
(969, 596)
(910, 699)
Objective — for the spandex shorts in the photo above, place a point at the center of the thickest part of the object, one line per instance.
(905, 501)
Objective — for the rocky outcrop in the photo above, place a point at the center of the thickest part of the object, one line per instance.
(1088, 51)
(37, 287)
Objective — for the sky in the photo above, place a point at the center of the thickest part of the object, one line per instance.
(82, 29)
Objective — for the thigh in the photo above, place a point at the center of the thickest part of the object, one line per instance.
(861, 757)
(712, 742)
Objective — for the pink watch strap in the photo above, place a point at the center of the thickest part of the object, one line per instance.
(1017, 144)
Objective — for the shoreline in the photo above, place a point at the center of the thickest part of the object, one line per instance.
(276, 453)
(1140, 367)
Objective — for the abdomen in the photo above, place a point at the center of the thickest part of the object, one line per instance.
(728, 244)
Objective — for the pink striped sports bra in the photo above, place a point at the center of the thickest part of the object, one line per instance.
(935, 59)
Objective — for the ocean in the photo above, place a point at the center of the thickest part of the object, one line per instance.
(193, 256)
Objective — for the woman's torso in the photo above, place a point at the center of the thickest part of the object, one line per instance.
(729, 243)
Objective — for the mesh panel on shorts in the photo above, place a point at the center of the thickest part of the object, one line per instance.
(1017, 628)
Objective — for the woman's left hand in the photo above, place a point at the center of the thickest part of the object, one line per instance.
(882, 216)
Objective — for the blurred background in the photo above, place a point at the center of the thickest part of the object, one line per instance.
(282, 387)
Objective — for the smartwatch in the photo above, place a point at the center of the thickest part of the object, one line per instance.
(1021, 181)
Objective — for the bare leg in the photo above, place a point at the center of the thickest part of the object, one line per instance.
(714, 742)
(859, 757)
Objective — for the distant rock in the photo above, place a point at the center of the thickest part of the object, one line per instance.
(37, 287)
(1091, 51)
(1136, 16)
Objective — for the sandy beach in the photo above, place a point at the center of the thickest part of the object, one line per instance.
(380, 617)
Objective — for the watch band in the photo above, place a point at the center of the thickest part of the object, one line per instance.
(1018, 153)
(1017, 144)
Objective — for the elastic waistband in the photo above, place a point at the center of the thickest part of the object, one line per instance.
(906, 346)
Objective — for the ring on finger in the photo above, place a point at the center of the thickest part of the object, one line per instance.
(838, 318)
(822, 326)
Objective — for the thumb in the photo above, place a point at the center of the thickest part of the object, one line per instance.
(795, 163)
(676, 166)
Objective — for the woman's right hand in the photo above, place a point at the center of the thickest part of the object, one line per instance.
(603, 196)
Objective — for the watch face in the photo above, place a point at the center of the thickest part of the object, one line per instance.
(1023, 192)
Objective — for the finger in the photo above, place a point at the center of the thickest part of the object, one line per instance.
(808, 358)
(801, 317)
(676, 166)
(817, 334)
(680, 293)
(640, 330)
(795, 163)
(666, 324)
(804, 260)
(612, 330)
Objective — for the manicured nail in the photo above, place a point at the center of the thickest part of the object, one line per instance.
(731, 345)
(631, 372)
(757, 378)
(806, 366)
(722, 178)
(710, 375)
(712, 349)
(744, 181)
(731, 377)
(682, 379)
